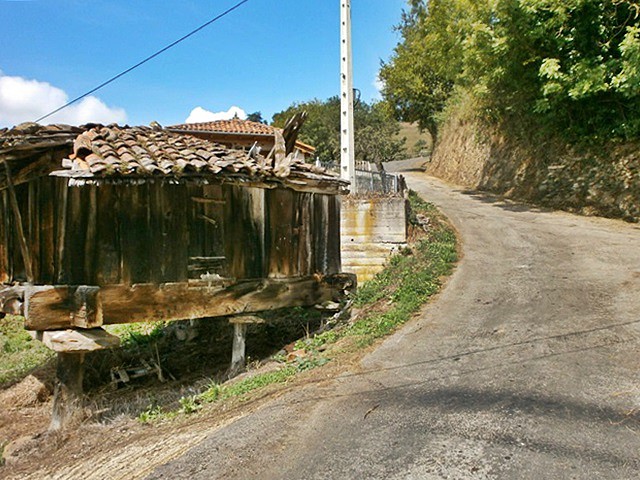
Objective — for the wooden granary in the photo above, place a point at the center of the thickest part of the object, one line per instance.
(106, 224)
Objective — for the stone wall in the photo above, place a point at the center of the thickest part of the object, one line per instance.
(604, 181)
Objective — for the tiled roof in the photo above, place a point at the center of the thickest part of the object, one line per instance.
(234, 125)
(28, 137)
(134, 152)
(238, 127)
(145, 151)
(112, 152)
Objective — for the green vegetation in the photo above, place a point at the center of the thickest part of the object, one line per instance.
(19, 353)
(136, 335)
(418, 142)
(566, 67)
(383, 304)
(376, 138)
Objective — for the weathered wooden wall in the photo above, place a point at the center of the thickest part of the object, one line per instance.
(163, 232)
(372, 229)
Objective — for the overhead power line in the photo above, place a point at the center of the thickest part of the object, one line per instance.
(150, 57)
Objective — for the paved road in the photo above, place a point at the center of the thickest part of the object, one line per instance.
(526, 367)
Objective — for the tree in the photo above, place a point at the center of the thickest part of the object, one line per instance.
(256, 117)
(568, 66)
(375, 130)
(420, 76)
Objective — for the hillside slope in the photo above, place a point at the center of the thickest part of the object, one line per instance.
(603, 182)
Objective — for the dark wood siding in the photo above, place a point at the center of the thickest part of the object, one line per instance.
(164, 232)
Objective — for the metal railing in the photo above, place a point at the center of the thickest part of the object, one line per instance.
(369, 180)
(379, 182)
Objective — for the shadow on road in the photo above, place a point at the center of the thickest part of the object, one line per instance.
(501, 202)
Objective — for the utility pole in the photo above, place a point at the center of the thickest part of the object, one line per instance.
(347, 159)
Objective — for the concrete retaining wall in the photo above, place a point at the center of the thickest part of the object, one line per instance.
(372, 229)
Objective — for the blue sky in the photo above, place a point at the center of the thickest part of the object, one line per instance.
(262, 57)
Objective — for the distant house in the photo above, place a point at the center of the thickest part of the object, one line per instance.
(240, 134)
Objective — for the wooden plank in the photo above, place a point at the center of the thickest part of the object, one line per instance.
(47, 230)
(195, 225)
(207, 200)
(75, 236)
(333, 236)
(55, 308)
(280, 233)
(33, 227)
(202, 265)
(90, 237)
(108, 255)
(255, 239)
(320, 222)
(244, 232)
(62, 190)
(19, 228)
(177, 232)
(10, 239)
(138, 241)
(156, 236)
(77, 340)
(304, 234)
(4, 241)
(169, 237)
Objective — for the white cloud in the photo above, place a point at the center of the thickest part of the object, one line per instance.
(24, 100)
(378, 83)
(199, 115)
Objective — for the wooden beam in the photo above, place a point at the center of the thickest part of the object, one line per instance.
(70, 341)
(300, 181)
(54, 308)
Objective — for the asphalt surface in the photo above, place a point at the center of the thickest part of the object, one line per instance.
(527, 366)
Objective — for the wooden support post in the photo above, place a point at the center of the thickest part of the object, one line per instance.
(67, 397)
(238, 349)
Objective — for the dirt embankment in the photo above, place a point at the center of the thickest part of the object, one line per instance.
(602, 182)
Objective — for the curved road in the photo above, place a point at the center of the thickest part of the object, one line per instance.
(526, 367)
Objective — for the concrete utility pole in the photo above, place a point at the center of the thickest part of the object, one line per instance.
(347, 159)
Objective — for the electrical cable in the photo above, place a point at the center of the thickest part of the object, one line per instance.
(150, 57)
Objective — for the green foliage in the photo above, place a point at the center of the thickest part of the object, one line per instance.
(153, 412)
(565, 66)
(19, 353)
(189, 405)
(375, 130)
(135, 335)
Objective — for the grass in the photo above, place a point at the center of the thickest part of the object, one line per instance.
(384, 303)
(418, 143)
(19, 353)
